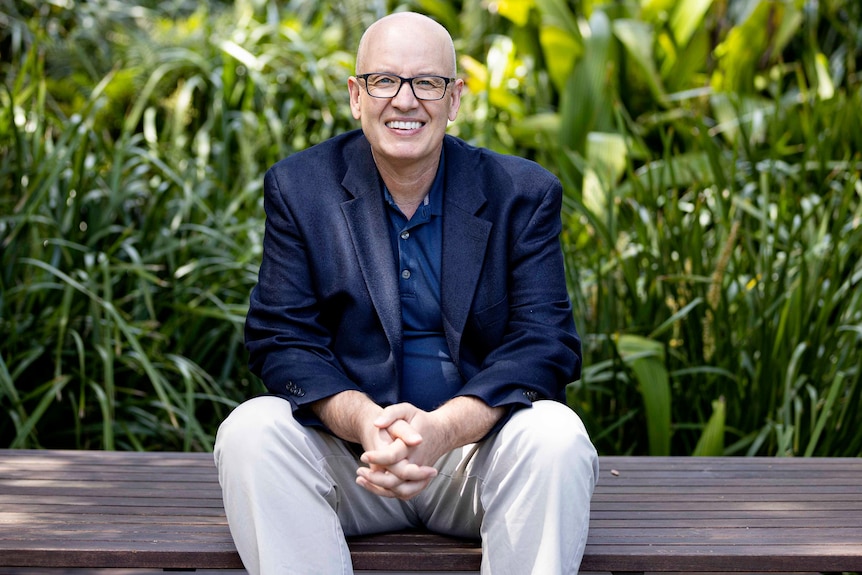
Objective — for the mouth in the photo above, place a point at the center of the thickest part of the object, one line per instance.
(400, 125)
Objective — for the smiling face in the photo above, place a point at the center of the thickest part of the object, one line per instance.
(405, 132)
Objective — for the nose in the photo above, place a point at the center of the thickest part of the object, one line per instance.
(404, 97)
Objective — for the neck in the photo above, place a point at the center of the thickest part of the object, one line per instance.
(408, 186)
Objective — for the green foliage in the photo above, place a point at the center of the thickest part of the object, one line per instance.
(710, 152)
(715, 211)
(132, 214)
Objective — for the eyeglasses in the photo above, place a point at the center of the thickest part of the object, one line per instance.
(388, 85)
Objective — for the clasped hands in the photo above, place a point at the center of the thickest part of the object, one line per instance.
(402, 443)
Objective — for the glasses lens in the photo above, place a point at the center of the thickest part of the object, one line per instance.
(424, 87)
(382, 85)
(429, 87)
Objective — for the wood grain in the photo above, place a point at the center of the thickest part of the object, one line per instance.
(164, 510)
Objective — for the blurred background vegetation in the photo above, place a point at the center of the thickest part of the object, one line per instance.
(710, 152)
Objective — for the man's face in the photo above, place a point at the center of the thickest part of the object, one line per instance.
(404, 130)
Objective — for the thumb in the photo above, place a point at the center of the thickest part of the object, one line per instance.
(393, 413)
(395, 420)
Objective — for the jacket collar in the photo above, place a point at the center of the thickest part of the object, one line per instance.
(465, 237)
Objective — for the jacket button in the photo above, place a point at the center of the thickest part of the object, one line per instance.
(294, 389)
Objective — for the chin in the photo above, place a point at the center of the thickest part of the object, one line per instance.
(404, 151)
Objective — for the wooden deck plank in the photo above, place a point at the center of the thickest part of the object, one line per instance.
(125, 510)
(97, 521)
(803, 540)
(798, 543)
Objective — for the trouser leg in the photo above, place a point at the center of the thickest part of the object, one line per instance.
(526, 490)
(286, 490)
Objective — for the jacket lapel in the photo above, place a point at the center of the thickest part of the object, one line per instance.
(465, 241)
(366, 222)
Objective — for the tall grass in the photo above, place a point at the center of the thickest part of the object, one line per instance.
(731, 258)
(711, 157)
(132, 217)
(745, 275)
(713, 231)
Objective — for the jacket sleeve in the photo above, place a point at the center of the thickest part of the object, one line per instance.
(288, 343)
(536, 349)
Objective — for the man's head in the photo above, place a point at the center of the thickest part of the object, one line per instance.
(405, 130)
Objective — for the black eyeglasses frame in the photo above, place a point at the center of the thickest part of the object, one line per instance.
(409, 82)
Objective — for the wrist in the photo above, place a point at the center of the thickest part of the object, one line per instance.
(444, 426)
(467, 419)
(349, 415)
(363, 423)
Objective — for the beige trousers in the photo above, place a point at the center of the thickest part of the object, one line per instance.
(291, 498)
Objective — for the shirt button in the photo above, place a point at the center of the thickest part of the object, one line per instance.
(405, 274)
(405, 235)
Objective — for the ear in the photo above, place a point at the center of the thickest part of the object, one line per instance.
(455, 101)
(355, 91)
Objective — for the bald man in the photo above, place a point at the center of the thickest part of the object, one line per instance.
(412, 326)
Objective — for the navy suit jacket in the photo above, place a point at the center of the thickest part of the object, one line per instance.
(325, 316)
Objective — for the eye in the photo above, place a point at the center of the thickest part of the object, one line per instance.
(428, 82)
(382, 80)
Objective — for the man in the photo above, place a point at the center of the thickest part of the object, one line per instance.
(412, 324)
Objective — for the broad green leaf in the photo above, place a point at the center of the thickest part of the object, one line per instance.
(654, 10)
(788, 25)
(536, 130)
(441, 10)
(608, 155)
(825, 86)
(711, 442)
(765, 32)
(684, 69)
(518, 11)
(686, 18)
(595, 196)
(240, 54)
(557, 13)
(476, 74)
(587, 104)
(638, 39)
(645, 357)
(561, 51)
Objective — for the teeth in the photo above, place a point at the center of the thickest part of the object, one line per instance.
(404, 125)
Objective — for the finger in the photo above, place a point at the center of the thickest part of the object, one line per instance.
(409, 489)
(407, 471)
(404, 491)
(400, 472)
(375, 489)
(400, 429)
(378, 477)
(386, 455)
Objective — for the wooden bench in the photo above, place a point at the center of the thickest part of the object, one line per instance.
(164, 511)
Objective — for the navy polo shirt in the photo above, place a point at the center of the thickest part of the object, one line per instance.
(429, 376)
